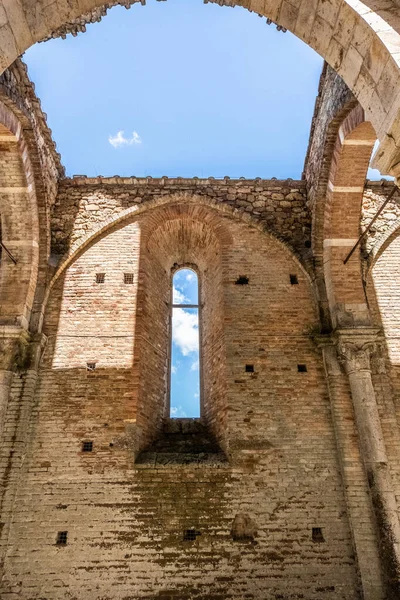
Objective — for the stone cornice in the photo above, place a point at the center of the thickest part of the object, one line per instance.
(192, 181)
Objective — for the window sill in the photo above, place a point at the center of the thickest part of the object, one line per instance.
(183, 442)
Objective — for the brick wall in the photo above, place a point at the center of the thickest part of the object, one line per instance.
(17, 218)
(333, 100)
(125, 522)
(85, 203)
(18, 92)
(383, 285)
(375, 194)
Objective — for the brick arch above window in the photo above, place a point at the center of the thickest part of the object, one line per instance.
(134, 213)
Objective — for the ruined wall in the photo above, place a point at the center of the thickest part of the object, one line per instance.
(184, 234)
(126, 522)
(333, 101)
(375, 194)
(84, 203)
(18, 92)
(382, 288)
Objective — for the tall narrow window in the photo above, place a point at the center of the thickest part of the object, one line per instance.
(185, 351)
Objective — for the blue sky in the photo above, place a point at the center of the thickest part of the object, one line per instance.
(179, 88)
(198, 90)
(185, 373)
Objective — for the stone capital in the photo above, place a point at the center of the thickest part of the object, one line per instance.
(354, 357)
(356, 347)
(353, 349)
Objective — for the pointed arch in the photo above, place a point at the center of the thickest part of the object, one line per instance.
(341, 222)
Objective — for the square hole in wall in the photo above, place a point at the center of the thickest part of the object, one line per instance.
(87, 446)
(128, 278)
(190, 535)
(249, 368)
(293, 280)
(62, 537)
(90, 366)
(242, 280)
(100, 277)
(302, 368)
(317, 535)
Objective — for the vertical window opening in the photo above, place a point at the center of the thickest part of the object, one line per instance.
(185, 346)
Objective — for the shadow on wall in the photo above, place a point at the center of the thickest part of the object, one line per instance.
(142, 532)
(111, 310)
(383, 295)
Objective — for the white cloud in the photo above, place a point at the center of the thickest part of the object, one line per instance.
(190, 276)
(179, 297)
(173, 369)
(177, 411)
(185, 331)
(120, 140)
(376, 175)
(195, 365)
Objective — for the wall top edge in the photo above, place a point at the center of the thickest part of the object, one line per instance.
(380, 183)
(84, 180)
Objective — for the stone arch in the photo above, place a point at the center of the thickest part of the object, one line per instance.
(134, 213)
(382, 243)
(359, 43)
(159, 230)
(341, 221)
(20, 223)
(176, 235)
(383, 292)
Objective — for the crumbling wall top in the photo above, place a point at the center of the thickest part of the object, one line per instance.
(334, 98)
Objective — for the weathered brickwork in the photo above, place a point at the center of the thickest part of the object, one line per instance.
(375, 194)
(18, 91)
(288, 486)
(84, 204)
(334, 100)
(126, 524)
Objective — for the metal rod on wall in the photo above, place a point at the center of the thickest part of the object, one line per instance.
(364, 233)
(8, 253)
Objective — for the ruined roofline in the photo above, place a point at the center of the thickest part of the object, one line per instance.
(333, 97)
(16, 86)
(165, 180)
(316, 111)
(96, 15)
(379, 183)
(200, 181)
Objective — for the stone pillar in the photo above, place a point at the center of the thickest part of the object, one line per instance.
(9, 341)
(355, 486)
(355, 349)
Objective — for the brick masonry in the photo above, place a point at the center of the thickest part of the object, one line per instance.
(83, 204)
(126, 524)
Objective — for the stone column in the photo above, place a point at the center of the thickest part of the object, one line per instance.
(9, 340)
(355, 349)
(355, 487)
